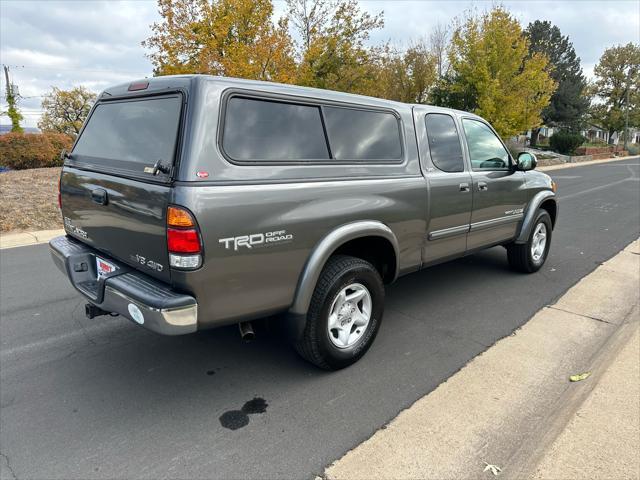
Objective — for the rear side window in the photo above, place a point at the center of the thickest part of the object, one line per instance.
(131, 134)
(362, 134)
(444, 143)
(273, 131)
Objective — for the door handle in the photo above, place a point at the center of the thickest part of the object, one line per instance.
(482, 186)
(464, 187)
(99, 196)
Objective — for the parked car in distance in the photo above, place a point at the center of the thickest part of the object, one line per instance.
(191, 202)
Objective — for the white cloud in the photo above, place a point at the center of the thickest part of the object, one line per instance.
(97, 43)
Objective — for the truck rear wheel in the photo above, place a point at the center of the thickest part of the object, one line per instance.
(344, 315)
(530, 256)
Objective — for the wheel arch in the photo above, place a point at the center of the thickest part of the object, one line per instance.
(358, 239)
(545, 200)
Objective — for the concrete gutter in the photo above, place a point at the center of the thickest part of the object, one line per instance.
(507, 407)
(12, 240)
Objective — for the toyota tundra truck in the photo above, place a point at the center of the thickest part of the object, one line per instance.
(191, 202)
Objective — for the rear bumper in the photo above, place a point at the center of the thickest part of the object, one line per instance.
(126, 291)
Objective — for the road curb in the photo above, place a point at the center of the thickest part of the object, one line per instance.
(560, 166)
(506, 406)
(23, 239)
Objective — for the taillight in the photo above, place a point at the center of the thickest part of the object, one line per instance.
(183, 239)
(59, 192)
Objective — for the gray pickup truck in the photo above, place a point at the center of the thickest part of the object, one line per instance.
(192, 202)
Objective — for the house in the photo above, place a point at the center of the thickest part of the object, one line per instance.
(595, 134)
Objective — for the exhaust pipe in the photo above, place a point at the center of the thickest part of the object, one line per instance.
(246, 331)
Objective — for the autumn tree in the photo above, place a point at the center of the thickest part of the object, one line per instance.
(492, 73)
(64, 111)
(235, 38)
(617, 88)
(408, 76)
(570, 101)
(334, 52)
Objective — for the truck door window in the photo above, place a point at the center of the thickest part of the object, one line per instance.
(485, 148)
(444, 142)
(265, 130)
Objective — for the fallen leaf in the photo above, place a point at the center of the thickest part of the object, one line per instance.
(492, 468)
(579, 377)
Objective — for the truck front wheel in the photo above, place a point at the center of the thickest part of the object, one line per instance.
(344, 315)
(530, 256)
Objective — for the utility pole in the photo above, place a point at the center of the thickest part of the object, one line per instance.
(11, 97)
(626, 120)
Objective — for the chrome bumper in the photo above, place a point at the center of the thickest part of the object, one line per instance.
(126, 291)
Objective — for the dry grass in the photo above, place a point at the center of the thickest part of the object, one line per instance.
(29, 200)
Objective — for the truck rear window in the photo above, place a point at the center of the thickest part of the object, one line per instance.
(131, 134)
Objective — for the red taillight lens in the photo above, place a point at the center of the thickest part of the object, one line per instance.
(138, 86)
(183, 241)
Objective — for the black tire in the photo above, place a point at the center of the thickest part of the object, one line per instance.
(314, 344)
(520, 256)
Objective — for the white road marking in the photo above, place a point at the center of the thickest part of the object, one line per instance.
(600, 187)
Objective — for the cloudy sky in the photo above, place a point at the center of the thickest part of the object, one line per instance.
(93, 43)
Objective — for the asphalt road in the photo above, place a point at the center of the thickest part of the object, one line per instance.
(106, 399)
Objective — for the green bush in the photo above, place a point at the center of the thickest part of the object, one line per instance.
(19, 151)
(566, 142)
(633, 149)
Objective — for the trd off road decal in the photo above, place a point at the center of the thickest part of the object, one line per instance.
(256, 239)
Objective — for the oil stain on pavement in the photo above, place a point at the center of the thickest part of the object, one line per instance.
(235, 419)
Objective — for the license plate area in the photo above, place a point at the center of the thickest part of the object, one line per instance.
(104, 268)
(88, 273)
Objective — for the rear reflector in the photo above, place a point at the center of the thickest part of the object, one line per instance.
(183, 241)
(138, 86)
(179, 217)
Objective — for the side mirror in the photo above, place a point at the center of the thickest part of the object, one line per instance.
(526, 161)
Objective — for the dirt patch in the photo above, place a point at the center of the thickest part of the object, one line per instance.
(29, 200)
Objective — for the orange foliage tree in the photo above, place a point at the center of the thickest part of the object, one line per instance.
(234, 38)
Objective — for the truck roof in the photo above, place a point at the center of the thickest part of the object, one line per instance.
(185, 81)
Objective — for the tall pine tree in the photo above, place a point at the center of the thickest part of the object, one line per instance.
(570, 102)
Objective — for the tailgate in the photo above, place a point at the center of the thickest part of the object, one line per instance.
(124, 218)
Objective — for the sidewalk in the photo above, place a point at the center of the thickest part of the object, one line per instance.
(11, 240)
(602, 439)
(513, 410)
